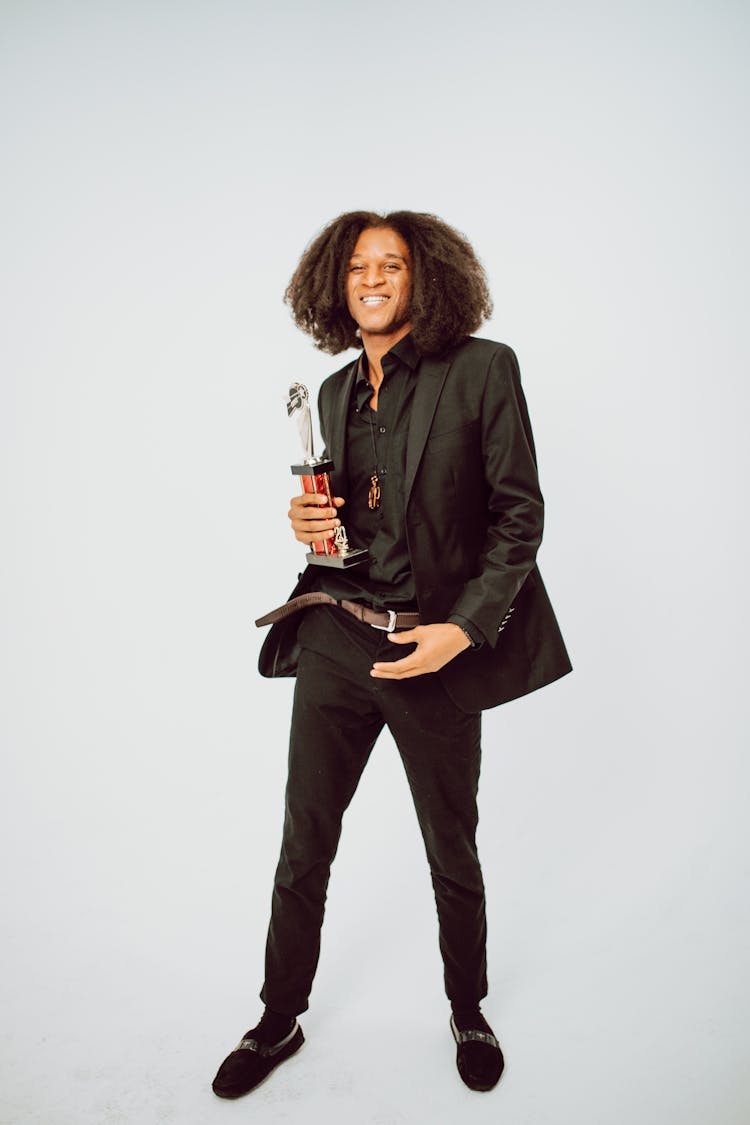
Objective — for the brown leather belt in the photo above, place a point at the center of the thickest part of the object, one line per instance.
(387, 620)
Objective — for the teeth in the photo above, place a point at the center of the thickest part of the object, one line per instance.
(373, 300)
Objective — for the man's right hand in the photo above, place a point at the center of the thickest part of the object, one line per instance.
(312, 518)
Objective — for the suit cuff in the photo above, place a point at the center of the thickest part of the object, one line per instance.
(475, 635)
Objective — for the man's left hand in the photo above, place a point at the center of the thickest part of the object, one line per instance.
(436, 645)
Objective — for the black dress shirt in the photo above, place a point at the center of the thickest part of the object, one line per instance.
(376, 443)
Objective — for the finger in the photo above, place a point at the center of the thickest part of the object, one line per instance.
(405, 662)
(404, 637)
(315, 537)
(308, 500)
(406, 675)
(310, 525)
(323, 516)
(387, 667)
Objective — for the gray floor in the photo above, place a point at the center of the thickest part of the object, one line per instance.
(616, 957)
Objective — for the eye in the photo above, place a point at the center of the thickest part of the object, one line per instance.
(356, 269)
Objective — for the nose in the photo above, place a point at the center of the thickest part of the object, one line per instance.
(373, 275)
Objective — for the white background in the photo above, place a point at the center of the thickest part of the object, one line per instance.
(164, 166)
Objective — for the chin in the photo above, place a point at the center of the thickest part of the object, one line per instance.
(384, 329)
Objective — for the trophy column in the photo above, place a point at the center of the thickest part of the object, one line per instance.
(315, 477)
(315, 474)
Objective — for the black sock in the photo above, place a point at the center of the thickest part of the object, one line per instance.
(470, 1019)
(273, 1027)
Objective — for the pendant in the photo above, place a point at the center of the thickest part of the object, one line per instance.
(373, 498)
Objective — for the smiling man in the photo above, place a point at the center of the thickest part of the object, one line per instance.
(435, 462)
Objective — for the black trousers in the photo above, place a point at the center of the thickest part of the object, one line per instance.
(339, 711)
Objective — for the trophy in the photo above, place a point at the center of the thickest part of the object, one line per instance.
(314, 473)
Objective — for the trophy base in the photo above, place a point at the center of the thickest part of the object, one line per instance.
(312, 468)
(351, 558)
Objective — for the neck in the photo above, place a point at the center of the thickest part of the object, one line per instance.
(376, 346)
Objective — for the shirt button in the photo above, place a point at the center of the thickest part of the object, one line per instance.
(382, 429)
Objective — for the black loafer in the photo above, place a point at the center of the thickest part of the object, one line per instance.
(250, 1062)
(479, 1059)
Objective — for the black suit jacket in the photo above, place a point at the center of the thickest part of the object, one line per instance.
(474, 517)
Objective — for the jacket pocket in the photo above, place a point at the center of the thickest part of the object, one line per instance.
(466, 434)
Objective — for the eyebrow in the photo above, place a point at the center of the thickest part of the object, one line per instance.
(395, 257)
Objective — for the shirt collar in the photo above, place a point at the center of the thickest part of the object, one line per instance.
(404, 351)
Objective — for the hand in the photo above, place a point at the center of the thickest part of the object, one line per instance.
(436, 645)
(312, 517)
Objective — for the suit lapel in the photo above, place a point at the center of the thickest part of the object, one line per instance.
(426, 394)
(339, 412)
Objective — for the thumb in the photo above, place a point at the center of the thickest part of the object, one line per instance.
(338, 501)
(405, 637)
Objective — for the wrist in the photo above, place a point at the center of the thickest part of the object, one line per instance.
(466, 636)
(469, 629)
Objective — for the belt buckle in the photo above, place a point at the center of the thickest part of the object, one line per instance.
(392, 615)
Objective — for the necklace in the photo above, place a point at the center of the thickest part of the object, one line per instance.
(373, 496)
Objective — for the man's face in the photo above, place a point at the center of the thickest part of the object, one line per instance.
(378, 284)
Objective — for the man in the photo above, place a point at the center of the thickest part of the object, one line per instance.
(434, 460)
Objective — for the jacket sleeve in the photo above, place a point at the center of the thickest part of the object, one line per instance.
(514, 500)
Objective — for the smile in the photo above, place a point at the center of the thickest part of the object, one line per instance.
(373, 300)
